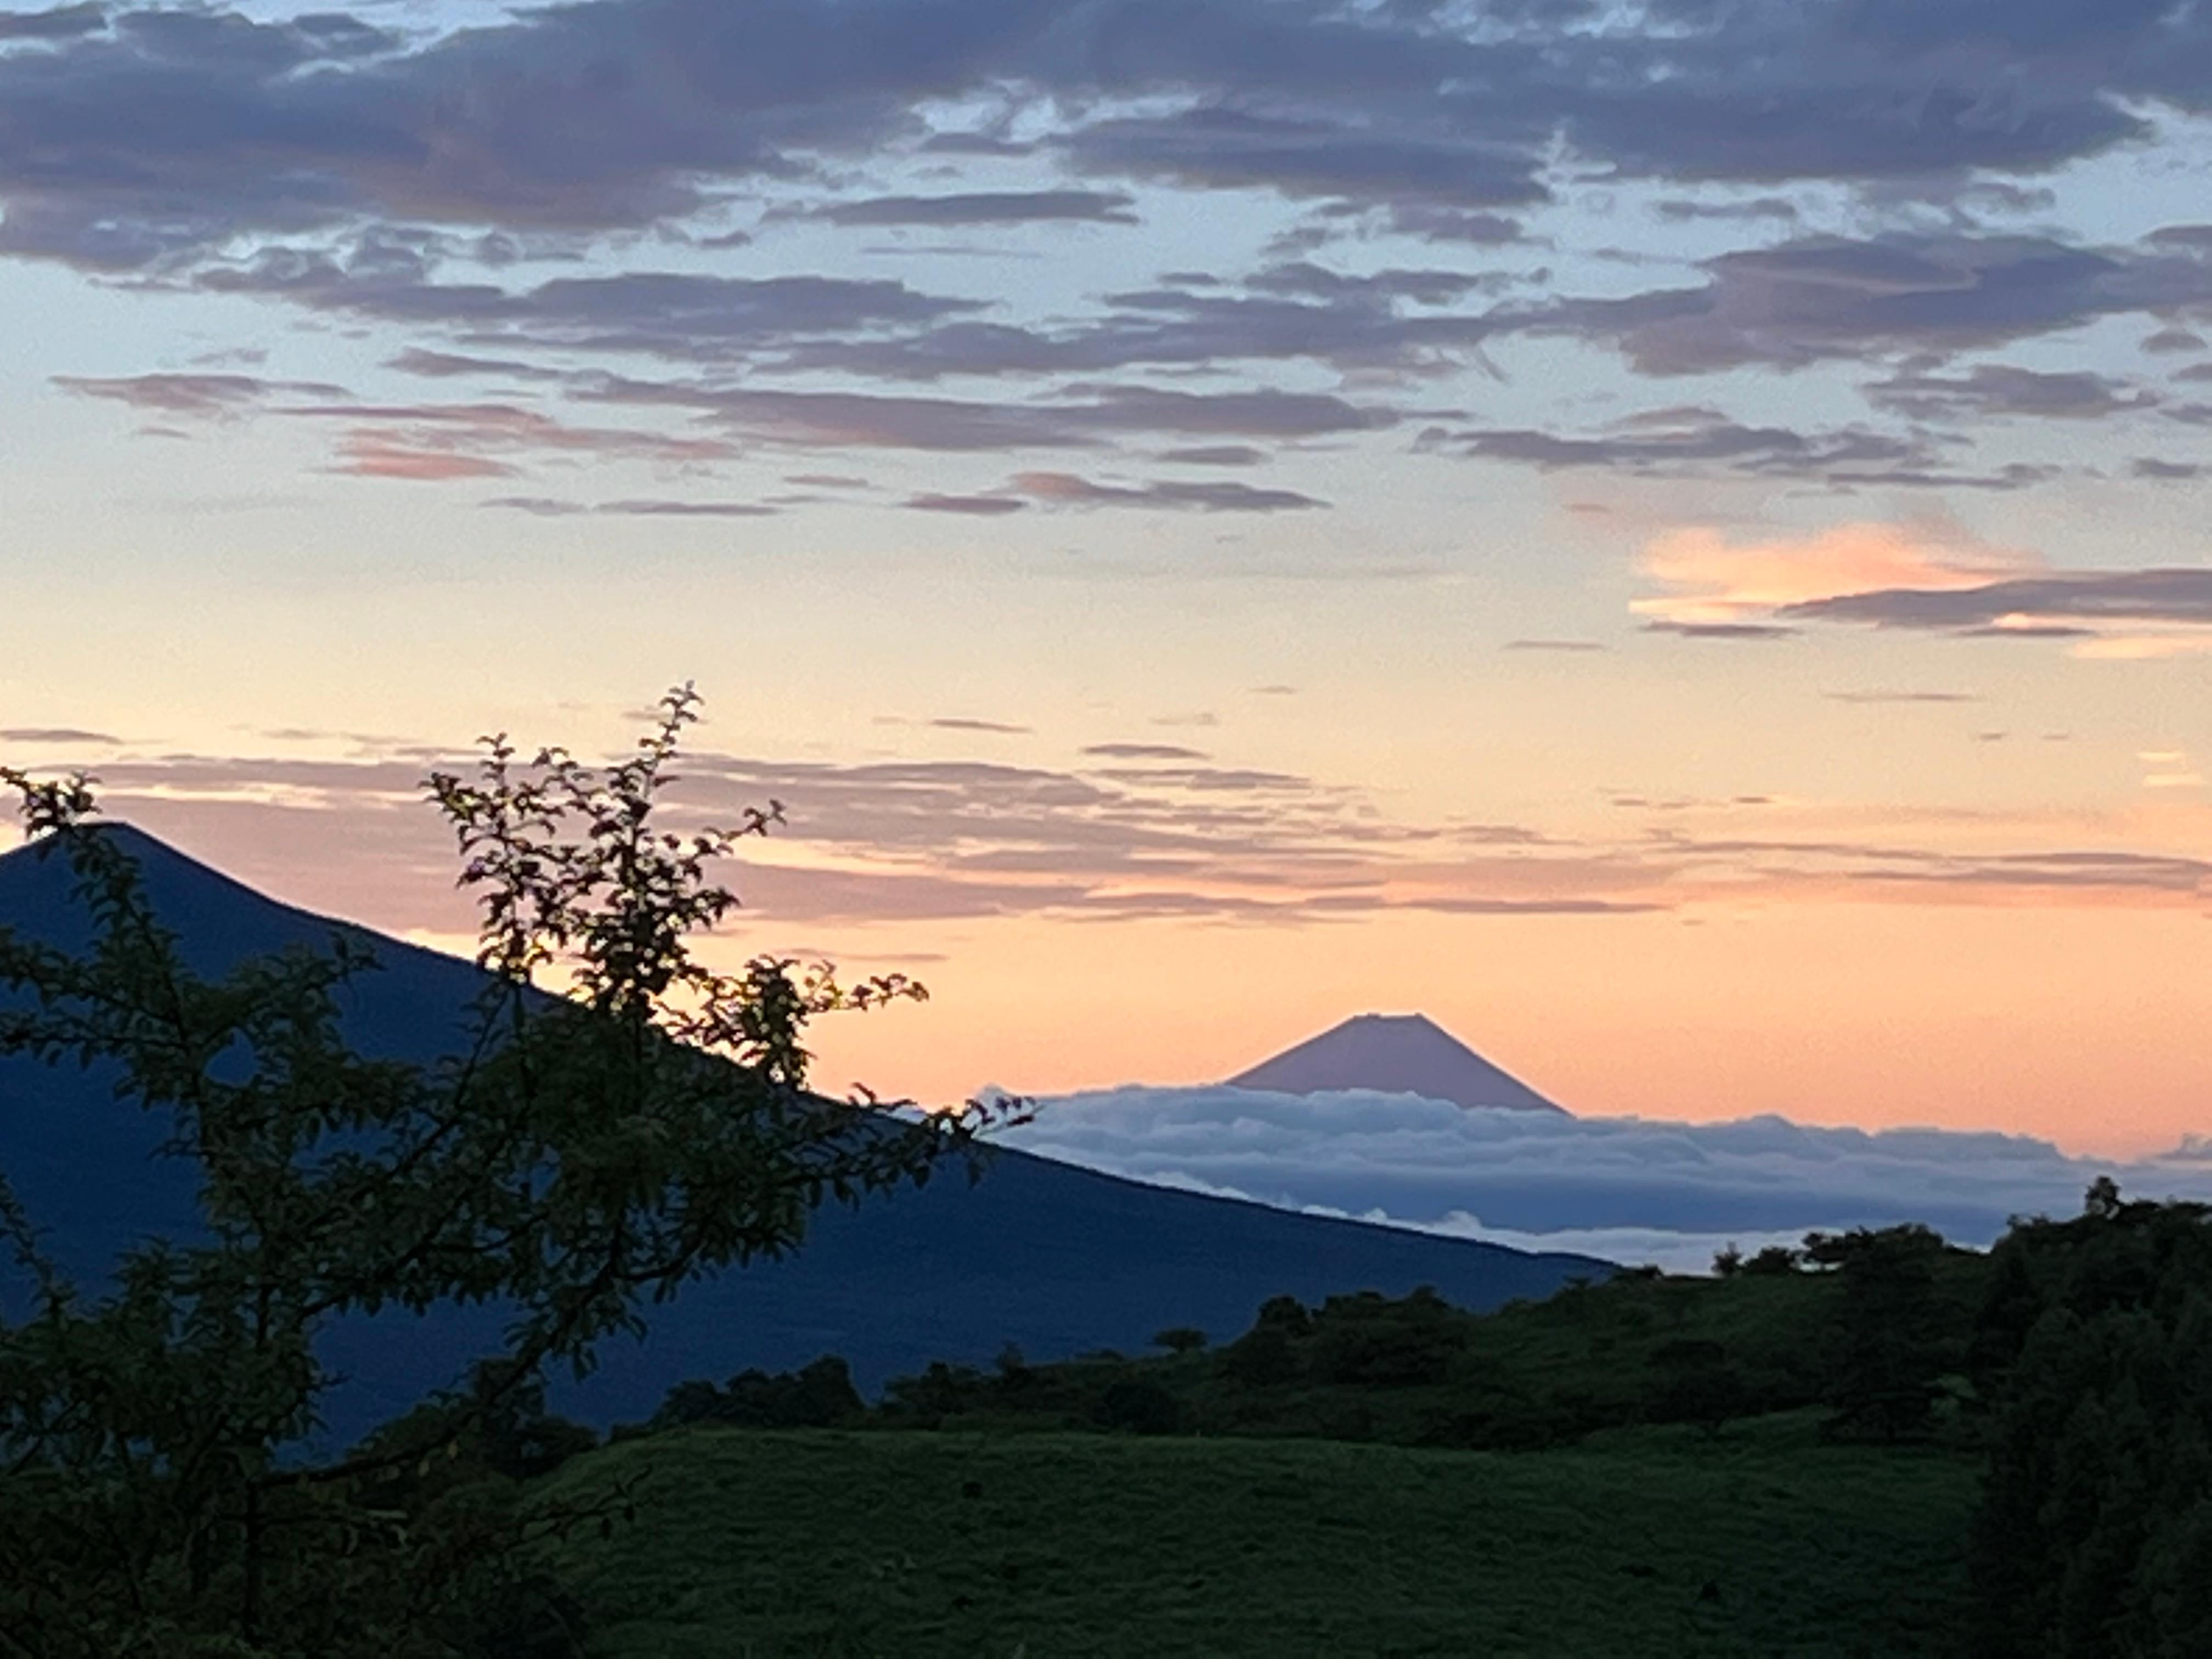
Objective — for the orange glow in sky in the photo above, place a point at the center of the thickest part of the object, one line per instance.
(1208, 530)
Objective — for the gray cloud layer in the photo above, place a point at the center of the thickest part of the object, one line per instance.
(1627, 1187)
(282, 125)
(1827, 297)
(397, 180)
(986, 208)
(2182, 596)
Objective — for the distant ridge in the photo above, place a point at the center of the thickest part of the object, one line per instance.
(1394, 1053)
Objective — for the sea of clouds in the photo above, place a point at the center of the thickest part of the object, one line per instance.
(1628, 1189)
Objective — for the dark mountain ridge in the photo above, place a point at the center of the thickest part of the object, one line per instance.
(1053, 1258)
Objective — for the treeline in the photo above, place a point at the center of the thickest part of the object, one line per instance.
(1868, 1324)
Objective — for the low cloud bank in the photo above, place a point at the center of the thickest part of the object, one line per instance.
(1629, 1189)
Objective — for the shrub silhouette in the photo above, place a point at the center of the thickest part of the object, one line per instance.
(815, 1396)
(1367, 1340)
(941, 1390)
(1263, 1357)
(1888, 1341)
(1139, 1405)
(1773, 1261)
(1694, 1383)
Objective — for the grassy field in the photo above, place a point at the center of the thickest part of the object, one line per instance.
(1649, 1541)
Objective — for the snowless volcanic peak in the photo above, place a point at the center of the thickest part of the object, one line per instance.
(1394, 1053)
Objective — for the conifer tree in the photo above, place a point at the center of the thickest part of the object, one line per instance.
(2094, 1363)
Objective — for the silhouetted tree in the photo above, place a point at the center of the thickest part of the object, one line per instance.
(1139, 1405)
(2093, 1359)
(815, 1396)
(1693, 1382)
(586, 1155)
(1368, 1340)
(938, 1391)
(1261, 1358)
(821, 1394)
(694, 1401)
(1015, 1373)
(516, 1436)
(1180, 1339)
(1267, 1354)
(1888, 1353)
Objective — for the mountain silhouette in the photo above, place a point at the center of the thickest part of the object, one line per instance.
(1393, 1053)
(1055, 1259)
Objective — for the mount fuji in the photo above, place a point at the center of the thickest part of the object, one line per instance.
(1397, 1055)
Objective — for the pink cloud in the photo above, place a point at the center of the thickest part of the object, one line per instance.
(507, 427)
(1719, 582)
(369, 455)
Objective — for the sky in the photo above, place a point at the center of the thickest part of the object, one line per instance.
(1670, 537)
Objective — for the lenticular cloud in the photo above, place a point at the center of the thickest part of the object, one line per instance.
(1630, 1189)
